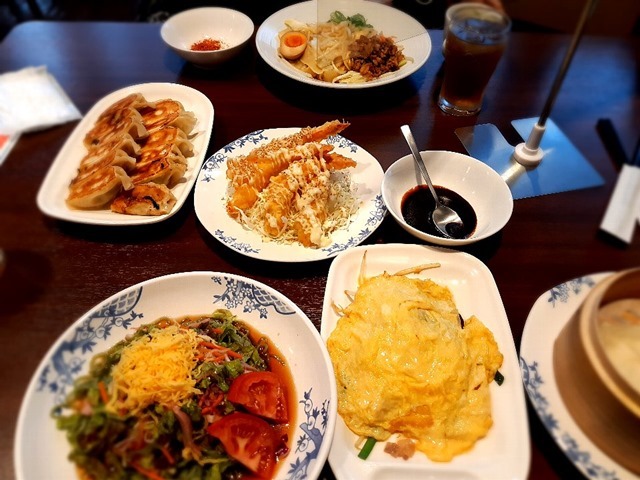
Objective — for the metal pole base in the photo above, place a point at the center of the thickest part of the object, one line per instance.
(561, 168)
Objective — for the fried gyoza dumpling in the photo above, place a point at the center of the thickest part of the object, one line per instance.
(121, 122)
(134, 100)
(168, 113)
(162, 158)
(98, 188)
(145, 199)
(121, 151)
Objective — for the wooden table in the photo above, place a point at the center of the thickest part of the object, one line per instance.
(56, 271)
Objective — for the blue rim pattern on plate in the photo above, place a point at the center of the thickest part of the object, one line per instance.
(534, 383)
(68, 360)
(211, 170)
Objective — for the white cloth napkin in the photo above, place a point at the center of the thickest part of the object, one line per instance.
(31, 99)
(623, 210)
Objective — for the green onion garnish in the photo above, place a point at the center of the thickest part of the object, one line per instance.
(366, 448)
(498, 377)
(358, 20)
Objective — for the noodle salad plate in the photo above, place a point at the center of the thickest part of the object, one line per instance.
(264, 312)
(504, 452)
(211, 194)
(407, 32)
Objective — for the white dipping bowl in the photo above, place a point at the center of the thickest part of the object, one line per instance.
(232, 28)
(476, 182)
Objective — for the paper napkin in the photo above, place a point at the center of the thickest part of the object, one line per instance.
(31, 99)
(623, 210)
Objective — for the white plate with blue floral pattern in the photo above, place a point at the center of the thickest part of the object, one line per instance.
(211, 195)
(190, 293)
(549, 314)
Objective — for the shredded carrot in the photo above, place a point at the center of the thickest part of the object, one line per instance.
(231, 353)
(151, 474)
(211, 406)
(102, 388)
(226, 350)
(167, 454)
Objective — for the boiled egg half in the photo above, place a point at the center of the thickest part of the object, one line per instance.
(292, 45)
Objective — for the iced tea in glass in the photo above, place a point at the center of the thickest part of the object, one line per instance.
(475, 41)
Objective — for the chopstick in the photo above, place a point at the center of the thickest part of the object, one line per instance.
(611, 142)
(635, 157)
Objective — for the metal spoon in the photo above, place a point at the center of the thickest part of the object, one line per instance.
(442, 215)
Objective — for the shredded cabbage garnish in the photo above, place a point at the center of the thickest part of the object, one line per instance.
(341, 205)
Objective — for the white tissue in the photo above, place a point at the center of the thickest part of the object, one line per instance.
(623, 211)
(31, 99)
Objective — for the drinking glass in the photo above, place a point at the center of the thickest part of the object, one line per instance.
(475, 41)
(451, 11)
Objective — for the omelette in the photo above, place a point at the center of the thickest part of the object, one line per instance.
(406, 365)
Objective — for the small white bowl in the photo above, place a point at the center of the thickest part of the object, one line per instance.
(232, 28)
(476, 182)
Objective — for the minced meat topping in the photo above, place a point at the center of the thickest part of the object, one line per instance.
(374, 56)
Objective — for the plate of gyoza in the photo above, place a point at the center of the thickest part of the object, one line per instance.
(132, 159)
(291, 194)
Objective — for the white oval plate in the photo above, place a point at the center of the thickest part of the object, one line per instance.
(211, 192)
(177, 295)
(55, 187)
(407, 31)
(504, 453)
(549, 314)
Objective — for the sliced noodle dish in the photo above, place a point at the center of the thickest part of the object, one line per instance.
(341, 50)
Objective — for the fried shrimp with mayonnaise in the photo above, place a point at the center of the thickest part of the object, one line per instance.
(289, 189)
(249, 175)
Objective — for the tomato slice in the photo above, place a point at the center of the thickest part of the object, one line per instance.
(261, 393)
(248, 439)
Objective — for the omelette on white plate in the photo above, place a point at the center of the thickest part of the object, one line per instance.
(405, 365)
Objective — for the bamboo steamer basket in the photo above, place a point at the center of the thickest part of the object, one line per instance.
(600, 396)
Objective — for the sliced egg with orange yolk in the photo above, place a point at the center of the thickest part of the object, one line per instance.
(292, 45)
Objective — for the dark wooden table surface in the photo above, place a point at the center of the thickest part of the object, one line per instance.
(56, 271)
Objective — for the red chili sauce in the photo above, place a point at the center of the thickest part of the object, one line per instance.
(207, 45)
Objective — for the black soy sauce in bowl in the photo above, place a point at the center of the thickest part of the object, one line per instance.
(418, 204)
